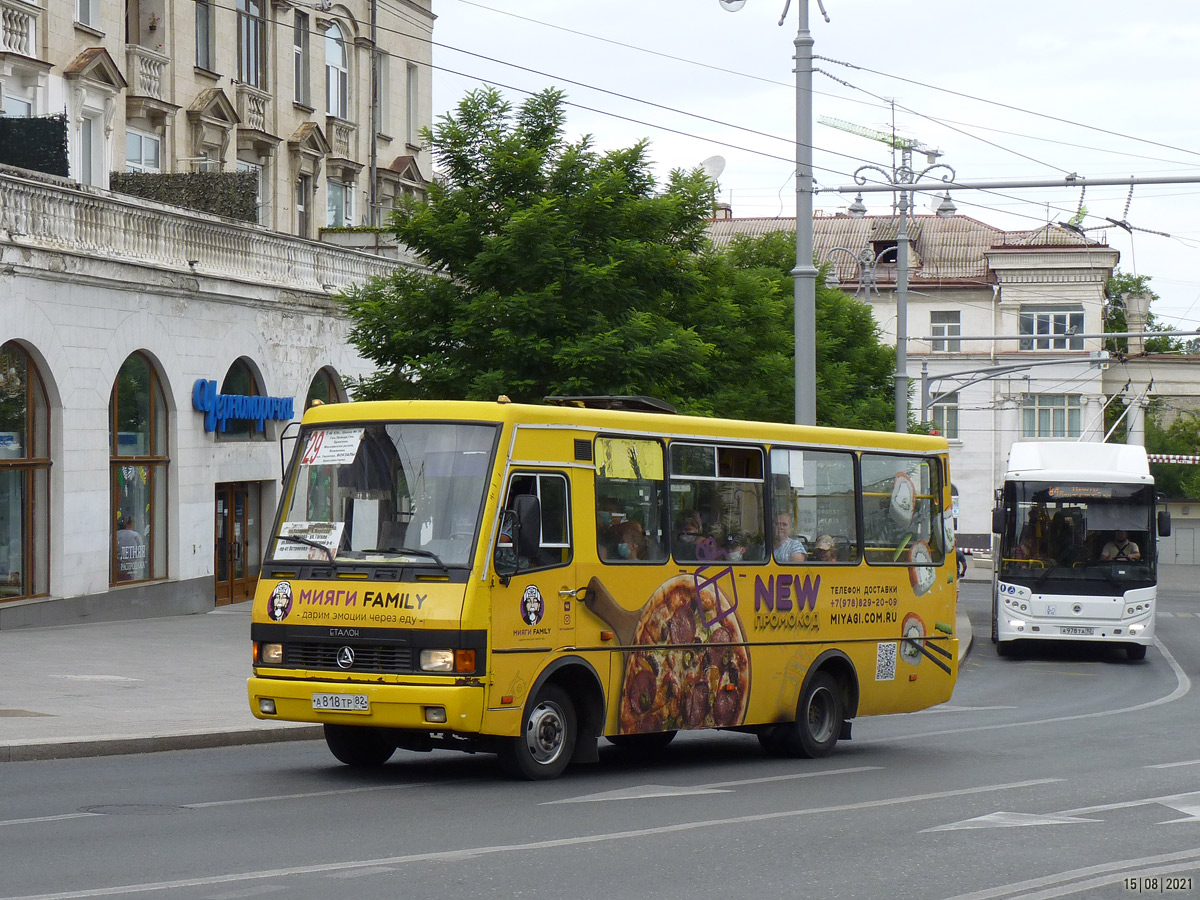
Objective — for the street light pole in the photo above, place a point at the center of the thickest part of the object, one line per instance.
(804, 275)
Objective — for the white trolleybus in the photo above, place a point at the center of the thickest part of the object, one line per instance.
(1077, 557)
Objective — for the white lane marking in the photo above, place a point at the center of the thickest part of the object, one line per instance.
(1183, 685)
(473, 853)
(643, 792)
(234, 802)
(654, 791)
(946, 707)
(1186, 762)
(1008, 820)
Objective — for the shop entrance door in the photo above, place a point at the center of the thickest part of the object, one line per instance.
(234, 579)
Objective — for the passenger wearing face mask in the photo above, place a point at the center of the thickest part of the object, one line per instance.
(735, 548)
(631, 542)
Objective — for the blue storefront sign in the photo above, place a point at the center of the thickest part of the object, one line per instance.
(220, 408)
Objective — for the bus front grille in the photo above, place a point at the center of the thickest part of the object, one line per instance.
(367, 658)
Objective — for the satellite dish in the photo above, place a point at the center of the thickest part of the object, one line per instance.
(732, 5)
(714, 165)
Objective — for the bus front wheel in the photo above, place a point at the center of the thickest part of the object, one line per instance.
(358, 746)
(1135, 651)
(547, 739)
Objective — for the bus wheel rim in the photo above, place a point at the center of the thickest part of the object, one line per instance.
(820, 715)
(545, 733)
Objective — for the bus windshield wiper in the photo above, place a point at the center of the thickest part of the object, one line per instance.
(415, 552)
(307, 542)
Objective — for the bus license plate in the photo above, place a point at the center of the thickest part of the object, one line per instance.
(1072, 629)
(341, 702)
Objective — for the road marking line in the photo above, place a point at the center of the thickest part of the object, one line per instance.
(659, 791)
(473, 853)
(1183, 685)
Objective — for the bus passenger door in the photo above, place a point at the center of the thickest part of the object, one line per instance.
(533, 616)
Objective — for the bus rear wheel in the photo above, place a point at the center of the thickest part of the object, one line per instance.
(359, 746)
(547, 740)
(818, 722)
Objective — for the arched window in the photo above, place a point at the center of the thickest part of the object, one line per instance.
(337, 73)
(323, 388)
(24, 477)
(240, 381)
(138, 467)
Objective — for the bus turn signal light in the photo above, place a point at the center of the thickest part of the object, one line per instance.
(464, 661)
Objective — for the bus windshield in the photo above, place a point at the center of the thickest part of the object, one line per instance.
(1059, 534)
(410, 492)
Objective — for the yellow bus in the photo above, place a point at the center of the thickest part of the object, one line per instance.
(526, 580)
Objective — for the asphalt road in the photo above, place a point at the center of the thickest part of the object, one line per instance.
(1060, 772)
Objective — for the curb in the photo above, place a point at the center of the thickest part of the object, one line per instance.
(155, 743)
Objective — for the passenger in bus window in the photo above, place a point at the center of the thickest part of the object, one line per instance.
(788, 548)
(735, 548)
(609, 516)
(1121, 547)
(825, 550)
(631, 542)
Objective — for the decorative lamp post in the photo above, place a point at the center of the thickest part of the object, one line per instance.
(902, 179)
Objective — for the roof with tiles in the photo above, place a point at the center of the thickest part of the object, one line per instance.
(942, 250)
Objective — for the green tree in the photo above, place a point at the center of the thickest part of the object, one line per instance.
(556, 269)
(1182, 437)
(1117, 289)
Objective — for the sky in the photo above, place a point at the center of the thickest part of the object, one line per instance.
(1015, 92)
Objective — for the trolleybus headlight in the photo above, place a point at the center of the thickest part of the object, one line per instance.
(270, 654)
(437, 660)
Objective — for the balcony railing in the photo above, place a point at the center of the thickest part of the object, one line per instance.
(252, 107)
(56, 216)
(146, 71)
(18, 27)
(341, 137)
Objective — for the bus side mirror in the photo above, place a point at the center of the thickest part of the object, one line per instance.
(1164, 523)
(998, 520)
(529, 524)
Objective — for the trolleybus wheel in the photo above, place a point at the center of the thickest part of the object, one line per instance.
(547, 740)
(1135, 651)
(360, 746)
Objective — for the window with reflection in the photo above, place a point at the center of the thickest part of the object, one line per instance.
(337, 73)
(323, 389)
(138, 473)
(24, 477)
(240, 381)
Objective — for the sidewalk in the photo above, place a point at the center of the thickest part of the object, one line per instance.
(142, 685)
(129, 687)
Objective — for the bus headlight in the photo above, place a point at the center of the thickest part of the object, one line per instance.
(437, 660)
(270, 654)
(461, 661)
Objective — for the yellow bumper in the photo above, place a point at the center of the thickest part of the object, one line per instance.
(391, 705)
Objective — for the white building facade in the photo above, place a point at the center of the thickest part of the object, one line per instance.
(151, 356)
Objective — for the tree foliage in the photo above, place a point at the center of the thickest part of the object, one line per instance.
(1119, 287)
(555, 269)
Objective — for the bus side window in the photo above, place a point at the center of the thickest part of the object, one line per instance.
(902, 509)
(630, 492)
(816, 489)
